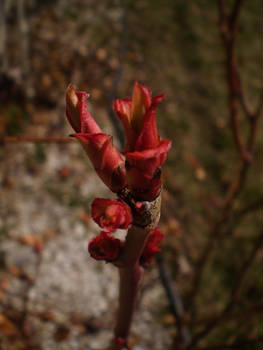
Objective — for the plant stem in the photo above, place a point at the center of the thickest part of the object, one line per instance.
(131, 274)
(129, 285)
(48, 139)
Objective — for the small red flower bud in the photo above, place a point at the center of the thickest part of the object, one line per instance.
(131, 113)
(145, 152)
(144, 170)
(77, 112)
(104, 247)
(105, 158)
(111, 215)
(152, 246)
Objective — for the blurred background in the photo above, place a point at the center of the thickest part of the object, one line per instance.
(205, 289)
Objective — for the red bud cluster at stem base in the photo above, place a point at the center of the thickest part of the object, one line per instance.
(152, 246)
(104, 247)
(111, 214)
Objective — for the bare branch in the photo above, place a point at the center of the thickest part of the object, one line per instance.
(243, 101)
(229, 40)
(32, 139)
(241, 214)
(228, 26)
(233, 18)
(260, 106)
(175, 302)
(235, 292)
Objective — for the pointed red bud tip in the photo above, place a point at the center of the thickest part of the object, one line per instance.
(105, 158)
(152, 246)
(141, 102)
(145, 152)
(77, 112)
(133, 113)
(72, 108)
(104, 247)
(111, 215)
(148, 137)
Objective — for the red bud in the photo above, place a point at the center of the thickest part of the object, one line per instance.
(105, 158)
(111, 215)
(152, 246)
(104, 247)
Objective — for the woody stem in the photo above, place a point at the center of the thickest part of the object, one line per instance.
(130, 278)
(131, 274)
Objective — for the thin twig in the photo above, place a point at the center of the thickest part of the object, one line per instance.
(228, 30)
(233, 18)
(241, 214)
(175, 301)
(32, 139)
(235, 291)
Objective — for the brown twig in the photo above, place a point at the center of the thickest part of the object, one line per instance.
(32, 139)
(175, 302)
(228, 30)
(241, 214)
(235, 291)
